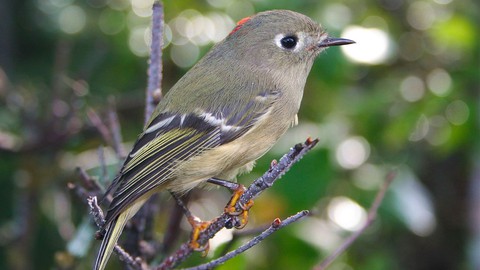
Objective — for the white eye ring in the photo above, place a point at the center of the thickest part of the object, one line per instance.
(285, 41)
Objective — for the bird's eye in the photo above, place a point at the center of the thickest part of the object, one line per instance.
(289, 42)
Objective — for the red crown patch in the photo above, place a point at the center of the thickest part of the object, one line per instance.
(240, 24)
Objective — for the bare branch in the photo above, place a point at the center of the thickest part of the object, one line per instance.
(372, 214)
(276, 225)
(154, 87)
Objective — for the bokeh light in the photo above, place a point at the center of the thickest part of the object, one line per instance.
(421, 15)
(142, 8)
(373, 46)
(72, 19)
(439, 82)
(436, 130)
(457, 112)
(9, 140)
(167, 35)
(223, 25)
(319, 233)
(136, 41)
(368, 176)
(185, 55)
(346, 213)
(420, 130)
(352, 152)
(191, 29)
(60, 108)
(412, 88)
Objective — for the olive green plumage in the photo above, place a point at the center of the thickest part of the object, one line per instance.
(221, 116)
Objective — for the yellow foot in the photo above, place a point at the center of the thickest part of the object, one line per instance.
(198, 227)
(243, 213)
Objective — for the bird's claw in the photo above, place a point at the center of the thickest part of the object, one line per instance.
(198, 227)
(231, 208)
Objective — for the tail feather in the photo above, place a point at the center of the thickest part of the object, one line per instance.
(113, 232)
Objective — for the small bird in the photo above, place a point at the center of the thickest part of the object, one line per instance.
(221, 116)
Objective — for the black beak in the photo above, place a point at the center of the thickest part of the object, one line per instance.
(330, 41)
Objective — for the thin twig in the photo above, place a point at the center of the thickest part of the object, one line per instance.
(114, 126)
(173, 228)
(276, 225)
(89, 183)
(372, 214)
(79, 191)
(242, 233)
(101, 127)
(103, 165)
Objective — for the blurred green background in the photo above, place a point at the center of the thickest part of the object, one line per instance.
(405, 98)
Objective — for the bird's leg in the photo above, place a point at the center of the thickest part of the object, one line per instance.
(198, 226)
(225, 183)
(238, 190)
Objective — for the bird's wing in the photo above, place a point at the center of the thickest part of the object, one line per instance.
(171, 136)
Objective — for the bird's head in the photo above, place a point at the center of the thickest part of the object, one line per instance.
(278, 38)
